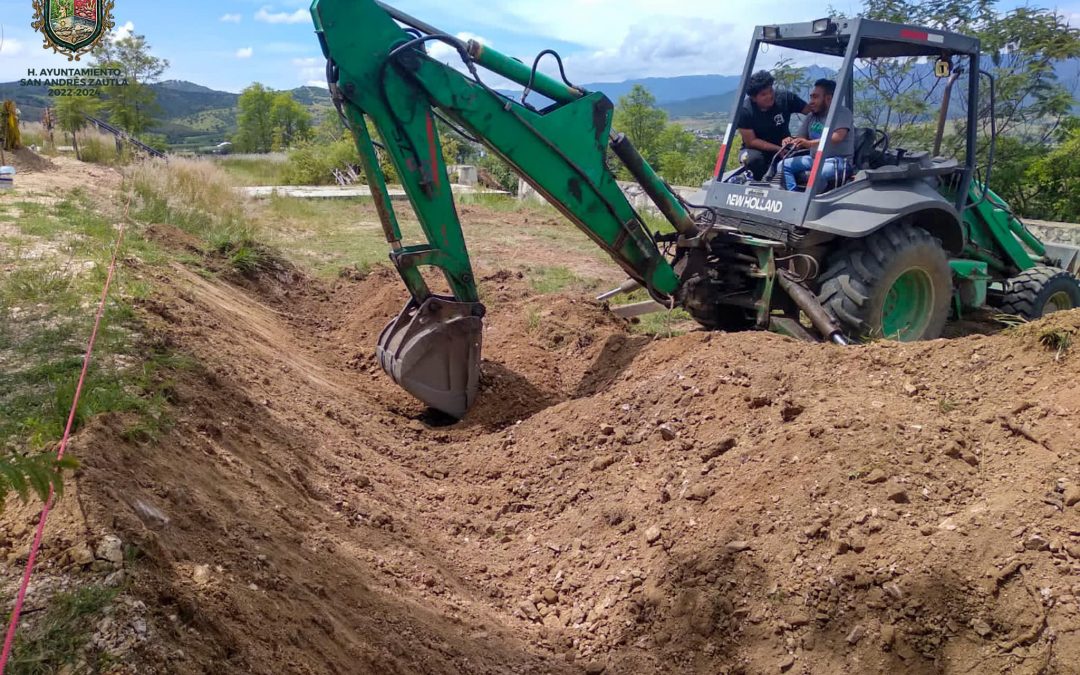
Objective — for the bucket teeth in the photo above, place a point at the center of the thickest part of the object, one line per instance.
(433, 351)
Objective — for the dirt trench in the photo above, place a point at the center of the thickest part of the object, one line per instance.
(732, 503)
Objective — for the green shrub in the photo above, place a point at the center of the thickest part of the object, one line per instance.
(314, 164)
(500, 171)
(158, 142)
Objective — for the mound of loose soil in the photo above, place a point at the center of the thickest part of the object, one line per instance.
(26, 160)
(732, 503)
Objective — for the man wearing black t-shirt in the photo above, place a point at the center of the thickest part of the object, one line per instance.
(764, 120)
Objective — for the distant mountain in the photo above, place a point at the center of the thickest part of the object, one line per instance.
(313, 96)
(191, 114)
(194, 115)
(183, 100)
(702, 106)
(183, 85)
(670, 89)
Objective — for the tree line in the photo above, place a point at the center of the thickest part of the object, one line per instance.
(266, 119)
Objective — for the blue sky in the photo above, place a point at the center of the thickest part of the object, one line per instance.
(227, 44)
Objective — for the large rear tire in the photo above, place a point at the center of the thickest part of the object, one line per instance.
(1039, 291)
(894, 284)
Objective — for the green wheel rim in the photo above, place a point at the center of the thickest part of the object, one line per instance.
(1058, 302)
(908, 306)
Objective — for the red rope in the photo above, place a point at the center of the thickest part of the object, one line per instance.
(9, 640)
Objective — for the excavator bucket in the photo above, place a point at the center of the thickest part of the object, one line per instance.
(433, 351)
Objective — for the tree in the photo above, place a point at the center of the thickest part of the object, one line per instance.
(790, 77)
(71, 114)
(131, 104)
(255, 129)
(675, 146)
(290, 121)
(1023, 45)
(1051, 185)
(329, 129)
(1021, 48)
(641, 120)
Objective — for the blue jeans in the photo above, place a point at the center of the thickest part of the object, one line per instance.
(828, 170)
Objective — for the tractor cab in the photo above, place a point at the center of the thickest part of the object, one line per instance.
(880, 183)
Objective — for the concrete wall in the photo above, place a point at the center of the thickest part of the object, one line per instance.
(1061, 233)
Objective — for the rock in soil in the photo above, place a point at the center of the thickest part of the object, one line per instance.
(111, 549)
(1072, 495)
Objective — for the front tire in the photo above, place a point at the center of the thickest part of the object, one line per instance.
(894, 284)
(1039, 291)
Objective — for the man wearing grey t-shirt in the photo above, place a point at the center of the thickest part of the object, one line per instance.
(839, 152)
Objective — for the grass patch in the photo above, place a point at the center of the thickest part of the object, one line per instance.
(97, 147)
(248, 258)
(666, 323)
(58, 637)
(656, 223)
(249, 171)
(556, 278)
(195, 195)
(669, 323)
(47, 305)
(199, 197)
(1056, 340)
(532, 320)
(505, 203)
(324, 235)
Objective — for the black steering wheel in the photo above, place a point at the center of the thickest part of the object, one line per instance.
(786, 152)
(881, 140)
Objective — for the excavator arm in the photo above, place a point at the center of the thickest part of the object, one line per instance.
(379, 72)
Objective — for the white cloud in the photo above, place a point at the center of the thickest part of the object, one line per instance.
(122, 32)
(231, 18)
(310, 69)
(674, 47)
(266, 16)
(608, 38)
(244, 52)
(11, 47)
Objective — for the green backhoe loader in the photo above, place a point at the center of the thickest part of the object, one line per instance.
(888, 251)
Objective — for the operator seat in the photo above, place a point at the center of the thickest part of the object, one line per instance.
(864, 148)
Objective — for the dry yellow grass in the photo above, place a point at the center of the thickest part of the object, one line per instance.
(189, 185)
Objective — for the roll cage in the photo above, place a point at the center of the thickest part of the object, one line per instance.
(850, 39)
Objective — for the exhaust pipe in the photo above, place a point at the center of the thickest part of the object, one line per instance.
(819, 316)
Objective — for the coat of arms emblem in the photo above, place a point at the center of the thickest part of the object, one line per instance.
(73, 27)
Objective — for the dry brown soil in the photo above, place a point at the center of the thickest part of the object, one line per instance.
(706, 503)
(714, 503)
